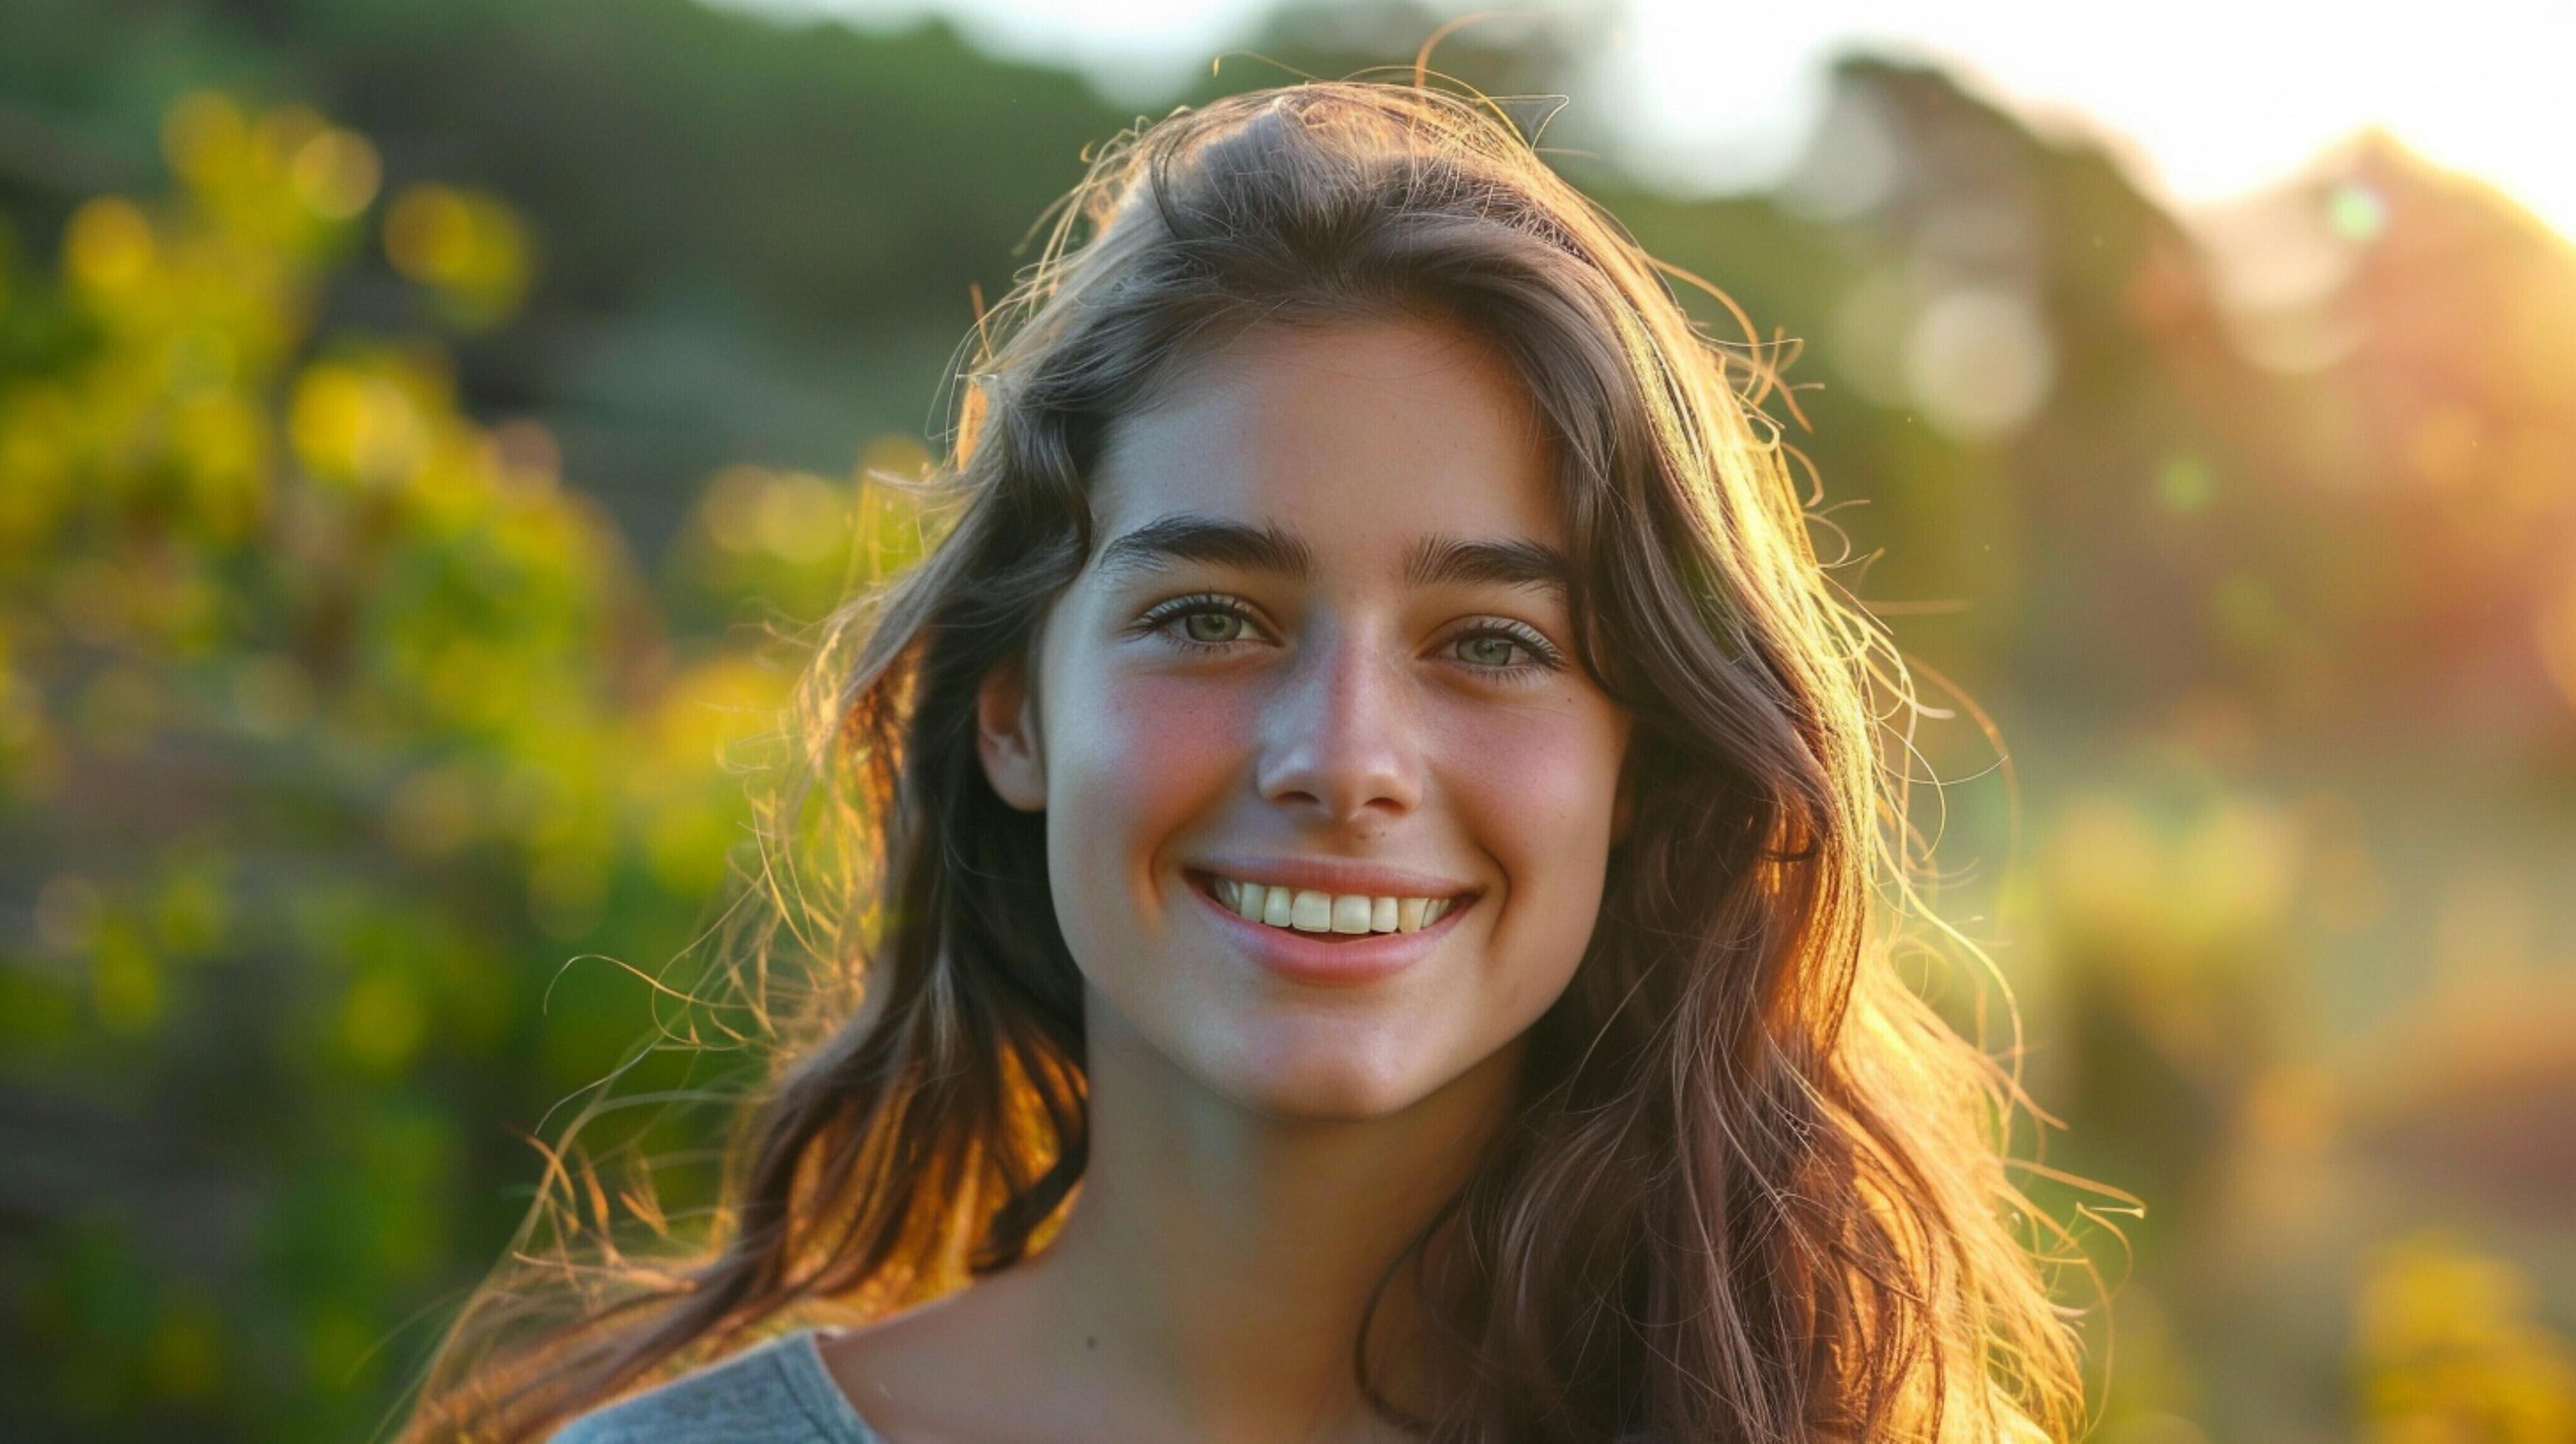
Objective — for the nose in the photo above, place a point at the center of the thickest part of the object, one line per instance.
(1339, 745)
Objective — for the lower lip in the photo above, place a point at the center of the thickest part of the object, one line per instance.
(1359, 958)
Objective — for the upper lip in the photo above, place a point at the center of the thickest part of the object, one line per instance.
(1330, 876)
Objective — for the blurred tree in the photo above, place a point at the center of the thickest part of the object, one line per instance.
(331, 719)
(2446, 1347)
(328, 717)
(759, 239)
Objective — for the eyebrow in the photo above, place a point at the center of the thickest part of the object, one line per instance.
(1431, 561)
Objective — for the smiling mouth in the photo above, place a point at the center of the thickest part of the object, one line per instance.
(1322, 916)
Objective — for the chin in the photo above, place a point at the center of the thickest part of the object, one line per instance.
(1326, 1085)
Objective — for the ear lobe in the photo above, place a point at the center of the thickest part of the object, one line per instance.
(1006, 738)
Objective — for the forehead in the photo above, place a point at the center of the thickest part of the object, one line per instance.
(1358, 434)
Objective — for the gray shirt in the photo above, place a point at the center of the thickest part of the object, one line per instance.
(776, 1393)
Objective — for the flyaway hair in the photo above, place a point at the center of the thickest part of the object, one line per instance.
(1755, 1188)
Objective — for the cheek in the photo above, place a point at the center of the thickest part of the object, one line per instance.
(1129, 761)
(1538, 786)
(1541, 781)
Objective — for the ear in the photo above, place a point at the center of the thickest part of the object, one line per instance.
(1006, 737)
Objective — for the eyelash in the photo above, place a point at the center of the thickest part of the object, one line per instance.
(1159, 620)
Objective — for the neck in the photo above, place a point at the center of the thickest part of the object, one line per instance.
(1220, 1260)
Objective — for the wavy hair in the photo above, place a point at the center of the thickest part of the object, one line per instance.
(1754, 1187)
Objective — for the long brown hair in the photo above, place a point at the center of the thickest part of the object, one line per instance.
(1755, 1188)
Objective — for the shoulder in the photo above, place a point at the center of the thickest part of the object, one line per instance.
(774, 1393)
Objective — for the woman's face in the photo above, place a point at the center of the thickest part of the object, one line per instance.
(1322, 644)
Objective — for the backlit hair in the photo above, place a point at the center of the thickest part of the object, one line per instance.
(1754, 1187)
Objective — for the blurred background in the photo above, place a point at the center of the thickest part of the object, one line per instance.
(423, 428)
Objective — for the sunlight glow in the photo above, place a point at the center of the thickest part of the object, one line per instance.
(2204, 99)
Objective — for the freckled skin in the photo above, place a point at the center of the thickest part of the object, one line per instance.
(1345, 719)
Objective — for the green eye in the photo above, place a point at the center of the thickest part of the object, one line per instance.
(1496, 651)
(1211, 626)
(1204, 622)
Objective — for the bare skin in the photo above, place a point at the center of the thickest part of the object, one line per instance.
(1139, 1321)
(1263, 1146)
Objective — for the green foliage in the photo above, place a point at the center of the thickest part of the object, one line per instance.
(2447, 1348)
(331, 720)
(346, 752)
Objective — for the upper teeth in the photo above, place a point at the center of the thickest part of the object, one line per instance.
(1309, 911)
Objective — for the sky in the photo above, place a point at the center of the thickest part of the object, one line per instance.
(2205, 101)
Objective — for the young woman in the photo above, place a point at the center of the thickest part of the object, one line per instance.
(1373, 825)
